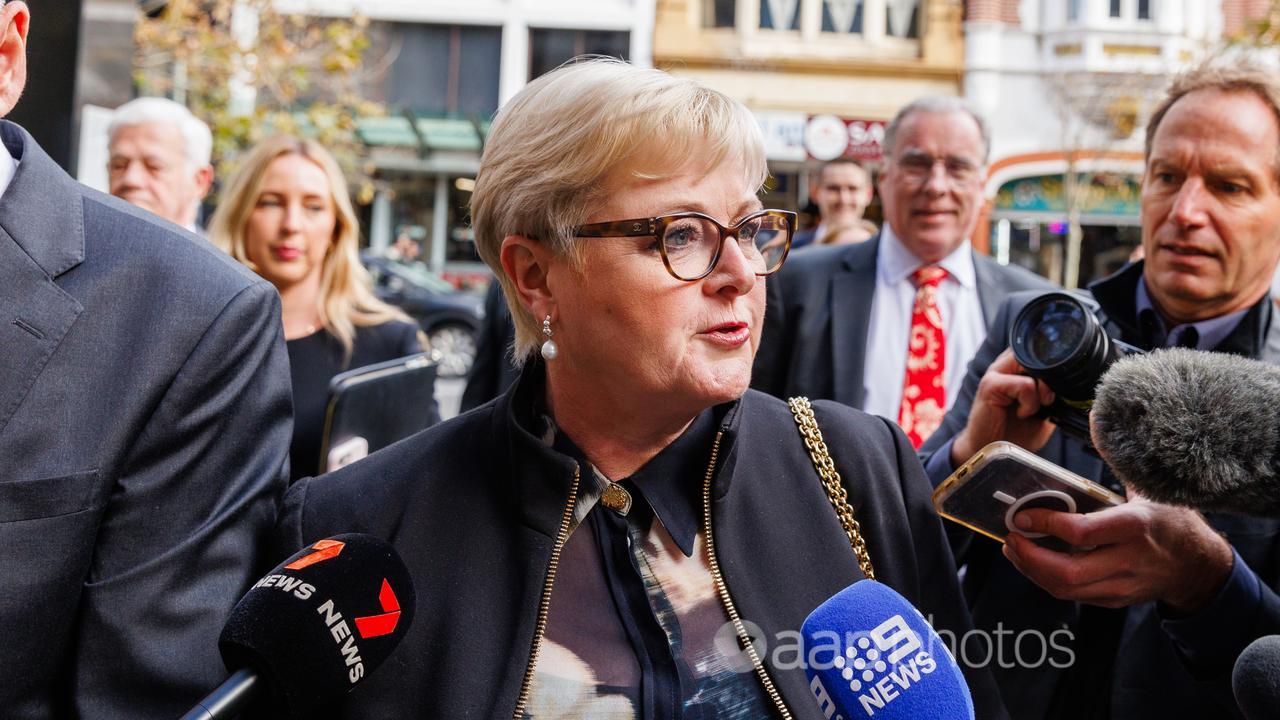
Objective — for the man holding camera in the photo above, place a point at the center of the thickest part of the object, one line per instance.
(1160, 600)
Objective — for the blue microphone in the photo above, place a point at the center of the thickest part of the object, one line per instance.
(871, 654)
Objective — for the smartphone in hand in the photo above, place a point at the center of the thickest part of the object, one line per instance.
(1002, 479)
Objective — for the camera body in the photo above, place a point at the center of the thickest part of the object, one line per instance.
(1060, 341)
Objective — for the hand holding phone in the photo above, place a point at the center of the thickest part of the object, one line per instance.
(1002, 479)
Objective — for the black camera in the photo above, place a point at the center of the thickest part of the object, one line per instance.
(1059, 340)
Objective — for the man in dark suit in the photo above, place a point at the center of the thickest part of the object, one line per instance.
(1154, 613)
(144, 426)
(842, 192)
(840, 320)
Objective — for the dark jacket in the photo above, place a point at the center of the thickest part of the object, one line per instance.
(474, 506)
(1151, 676)
(815, 324)
(144, 431)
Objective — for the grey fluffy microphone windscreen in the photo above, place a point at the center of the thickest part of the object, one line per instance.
(1193, 428)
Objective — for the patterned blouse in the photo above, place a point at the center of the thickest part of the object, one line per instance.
(635, 628)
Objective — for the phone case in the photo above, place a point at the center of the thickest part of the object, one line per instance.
(1002, 479)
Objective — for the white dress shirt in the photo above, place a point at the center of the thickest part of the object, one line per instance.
(8, 166)
(963, 327)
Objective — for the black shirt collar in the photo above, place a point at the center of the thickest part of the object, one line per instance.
(670, 483)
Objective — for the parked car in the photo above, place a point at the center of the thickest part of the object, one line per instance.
(449, 317)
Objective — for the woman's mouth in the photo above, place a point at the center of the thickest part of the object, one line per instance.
(283, 253)
(729, 335)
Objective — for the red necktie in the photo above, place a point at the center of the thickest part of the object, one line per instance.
(923, 396)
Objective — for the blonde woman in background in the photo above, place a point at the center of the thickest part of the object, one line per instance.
(287, 216)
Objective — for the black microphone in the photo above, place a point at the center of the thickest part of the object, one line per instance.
(312, 629)
(1255, 681)
(1193, 428)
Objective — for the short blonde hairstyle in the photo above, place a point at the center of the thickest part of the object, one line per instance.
(553, 149)
(346, 290)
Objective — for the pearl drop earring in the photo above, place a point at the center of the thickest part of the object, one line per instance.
(549, 349)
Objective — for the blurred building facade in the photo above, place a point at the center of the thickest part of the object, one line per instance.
(822, 76)
(441, 69)
(449, 65)
(1068, 87)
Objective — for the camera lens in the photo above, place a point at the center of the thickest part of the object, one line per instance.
(1055, 330)
(1058, 339)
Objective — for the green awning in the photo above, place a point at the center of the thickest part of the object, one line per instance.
(435, 133)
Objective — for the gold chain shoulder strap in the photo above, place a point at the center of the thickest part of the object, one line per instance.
(812, 434)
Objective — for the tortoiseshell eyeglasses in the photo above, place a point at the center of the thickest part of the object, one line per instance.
(691, 243)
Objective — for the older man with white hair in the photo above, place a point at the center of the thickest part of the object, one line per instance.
(159, 159)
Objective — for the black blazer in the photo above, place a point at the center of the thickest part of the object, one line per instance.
(144, 427)
(815, 324)
(1150, 678)
(474, 504)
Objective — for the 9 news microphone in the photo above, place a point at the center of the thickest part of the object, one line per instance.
(312, 629)
(1193, 428)
(1255, 681)
(871, 654)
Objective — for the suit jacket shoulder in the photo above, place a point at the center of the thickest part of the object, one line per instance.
(145, 378)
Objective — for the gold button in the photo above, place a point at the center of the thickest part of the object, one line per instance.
(616, 498)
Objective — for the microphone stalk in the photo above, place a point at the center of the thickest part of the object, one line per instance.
(230, 698)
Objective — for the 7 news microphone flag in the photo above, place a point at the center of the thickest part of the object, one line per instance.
(313, 629)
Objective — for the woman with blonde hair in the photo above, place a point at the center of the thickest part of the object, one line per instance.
(287, 216)
(584, 545)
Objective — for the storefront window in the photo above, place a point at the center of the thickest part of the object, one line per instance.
(460, 246)
(1029, 225)
(1041, 248)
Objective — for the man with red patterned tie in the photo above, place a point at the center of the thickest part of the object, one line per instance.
(889, 325)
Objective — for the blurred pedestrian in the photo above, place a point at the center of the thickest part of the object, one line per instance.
(286, 214)
(405, 249)
(159, 157)
(842, 192)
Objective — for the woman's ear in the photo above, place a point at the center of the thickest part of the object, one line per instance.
(528, 263)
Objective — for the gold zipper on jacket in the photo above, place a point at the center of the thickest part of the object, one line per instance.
(545, 603)
(723, 590)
